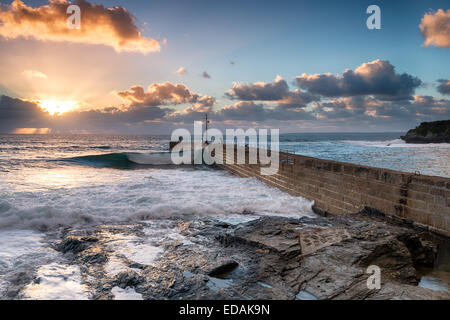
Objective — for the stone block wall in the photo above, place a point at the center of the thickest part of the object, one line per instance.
(340, 188)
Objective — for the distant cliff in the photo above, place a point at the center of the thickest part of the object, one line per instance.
(429, 132)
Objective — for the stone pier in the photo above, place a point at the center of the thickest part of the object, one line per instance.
(339, 188)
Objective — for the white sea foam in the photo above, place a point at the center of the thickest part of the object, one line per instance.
(134, 248)
(125, 294)
(396, 143)
(57, 282)
(25, 252)
(21, 251)
(115, 265)
(74, 196)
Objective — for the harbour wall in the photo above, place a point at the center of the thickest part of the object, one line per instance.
(341, 188)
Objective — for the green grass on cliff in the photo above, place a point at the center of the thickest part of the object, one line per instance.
(436, 127)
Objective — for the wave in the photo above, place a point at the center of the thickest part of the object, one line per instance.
(396, 143)
(140, 195)
(126, 160)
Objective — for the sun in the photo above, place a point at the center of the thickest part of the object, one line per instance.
(58, 106)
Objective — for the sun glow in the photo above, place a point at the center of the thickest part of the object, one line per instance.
(57, 106)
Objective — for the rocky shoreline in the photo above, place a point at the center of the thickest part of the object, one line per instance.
(429, 132)
(267, 258)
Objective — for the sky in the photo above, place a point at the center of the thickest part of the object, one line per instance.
(154, 66)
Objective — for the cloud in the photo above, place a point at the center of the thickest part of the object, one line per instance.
(372, 78)
(259, 91)
(435, 28)
(296, 99)
(371, 109)
(189, 114)
(111, 117)
(241, 111)
(277, 92)
(285, 106)
(31, 74)
(250, 111)
(114, 27)
(32, 131)
(206, 75)
(17, 113)
(444, 86)
(181, 71)
(348, 113)
(164, 94)
(21, 116)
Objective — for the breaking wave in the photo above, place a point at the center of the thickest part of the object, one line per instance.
(126, 160)
(396, 143)
(107, 196)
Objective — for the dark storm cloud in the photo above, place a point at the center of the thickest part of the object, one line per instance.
(296, 99)
(143, 106)
(242, 111)
(114, 116)
(369, 108)
(17, 113)
(444, 86)
(250, 111)
(277, 92)
(259, 91)
(376, 78)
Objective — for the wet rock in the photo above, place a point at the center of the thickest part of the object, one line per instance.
(393, 257)
(267, 258)
(223, 270)
(128, 279)
(338, 271)
(94, 255)
(423, 250)
(75, 244)
(17, 282)
(137, 266)
(272, 234)
(222, 225)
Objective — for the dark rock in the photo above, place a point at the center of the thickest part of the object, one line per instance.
(137, 266)
(94, 256)
(75, 244)
(267, 258)
(394, 258)
(222, 225)
(17, 282)
(423, 251)
(429, 132)
(223, 270)
(128, 279)
(267, 234)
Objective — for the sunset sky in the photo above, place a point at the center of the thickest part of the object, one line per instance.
(152, 66)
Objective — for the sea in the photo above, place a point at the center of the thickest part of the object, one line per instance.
(54, 182)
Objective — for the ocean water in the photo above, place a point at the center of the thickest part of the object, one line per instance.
(383, 150)
(49, 182)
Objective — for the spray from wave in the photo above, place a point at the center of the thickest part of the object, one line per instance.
(396, 143)
(90, 196)
(125, 160)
